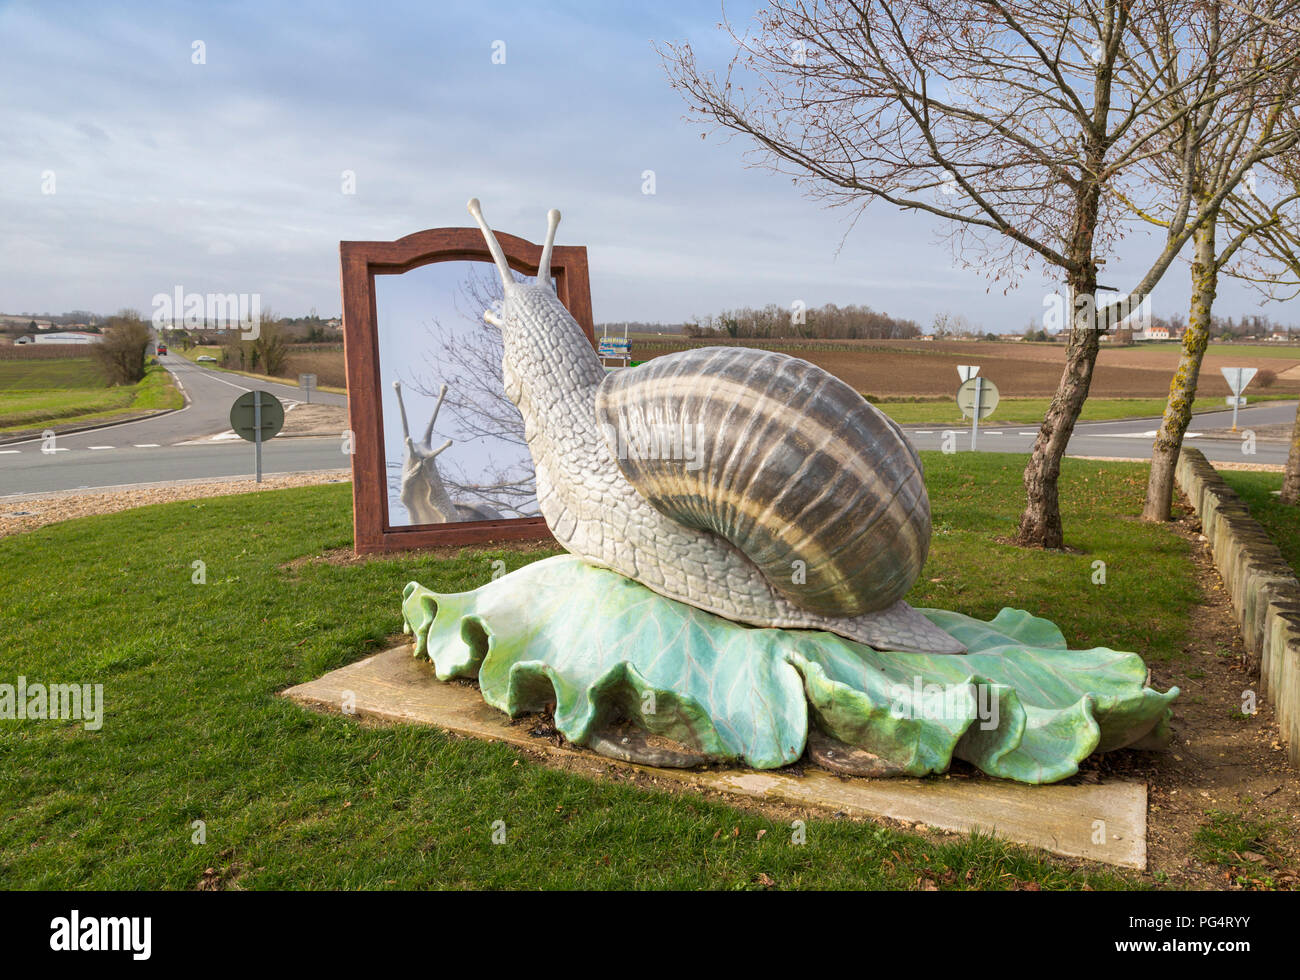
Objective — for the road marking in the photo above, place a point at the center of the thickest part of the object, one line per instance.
(146, 445)
(9, 452)
(212, 375)
(99, 447)
(1028, 432)
(997, 432)
(925, 432)
(56, 449)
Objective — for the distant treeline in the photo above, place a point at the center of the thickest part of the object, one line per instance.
(829, 322)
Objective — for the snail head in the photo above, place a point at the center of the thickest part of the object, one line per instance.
(520, 298)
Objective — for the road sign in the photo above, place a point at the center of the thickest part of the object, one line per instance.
(1237, 379)
(977, 397)
(257, 416)
(968, 371)
(985, 390)
(307, 382)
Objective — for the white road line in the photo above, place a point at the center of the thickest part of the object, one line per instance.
(9, 452)
(99, 447)
(212, 375)
(146, 445)
(1028, 432)
(56, 449)
(925, 432)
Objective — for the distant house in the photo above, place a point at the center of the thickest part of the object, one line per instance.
(1156, 333)
(25, 339)
(67, 337)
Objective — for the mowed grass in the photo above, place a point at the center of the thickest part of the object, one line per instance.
(1282, 522)
(290, 798)
(1031, 411)
(35, 393)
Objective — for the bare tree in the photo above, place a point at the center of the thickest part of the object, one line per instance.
(1270, 259)
(467, 358)
(122, 351)
(1012, 122)
(1246, 123)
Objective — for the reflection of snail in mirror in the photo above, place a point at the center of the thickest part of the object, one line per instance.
(773, 493)
(423, 494)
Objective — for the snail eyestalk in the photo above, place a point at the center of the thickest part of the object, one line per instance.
(498, 256)
(544, 268)
(428, 434)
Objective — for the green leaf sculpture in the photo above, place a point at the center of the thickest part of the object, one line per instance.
(1019, 705)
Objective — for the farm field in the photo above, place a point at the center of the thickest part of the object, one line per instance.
(40, 392)
(908, 368)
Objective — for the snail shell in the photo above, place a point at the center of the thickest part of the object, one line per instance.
(783, 460)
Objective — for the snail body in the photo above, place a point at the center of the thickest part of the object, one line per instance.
(807, 509)
(423, 493)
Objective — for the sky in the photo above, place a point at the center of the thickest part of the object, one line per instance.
(132, 165)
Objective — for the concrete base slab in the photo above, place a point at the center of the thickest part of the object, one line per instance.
(1103, 822)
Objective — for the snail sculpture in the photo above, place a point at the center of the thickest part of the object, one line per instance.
(747, 483)
(423, 494)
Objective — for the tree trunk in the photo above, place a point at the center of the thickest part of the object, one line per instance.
(1040, 524)
(1182, 389)
(1291, 481)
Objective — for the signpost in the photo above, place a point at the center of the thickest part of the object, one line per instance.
(307, 382)
(1237, 379)
(615, 349)
(257, 416)
(977, 398)
(968, 371)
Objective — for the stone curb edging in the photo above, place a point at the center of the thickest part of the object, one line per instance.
(1263, 588)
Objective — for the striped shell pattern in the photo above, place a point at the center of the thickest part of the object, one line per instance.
(783, 460)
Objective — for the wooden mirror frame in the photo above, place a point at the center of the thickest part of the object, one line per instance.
(360, 262)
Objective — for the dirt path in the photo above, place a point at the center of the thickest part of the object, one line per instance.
(1221, 761)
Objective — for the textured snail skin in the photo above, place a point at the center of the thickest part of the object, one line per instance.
(552, 374)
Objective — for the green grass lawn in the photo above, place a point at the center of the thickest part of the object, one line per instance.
(1259, 491)
(1030, 411)
(36, 393)
(290, 798)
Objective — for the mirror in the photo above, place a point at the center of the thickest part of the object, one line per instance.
(412, 323)
(454, 446)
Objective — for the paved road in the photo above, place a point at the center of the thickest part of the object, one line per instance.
(163, 449)
(153, 450)
(1128, 438)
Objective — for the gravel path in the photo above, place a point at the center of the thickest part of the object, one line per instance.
(25, 514)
